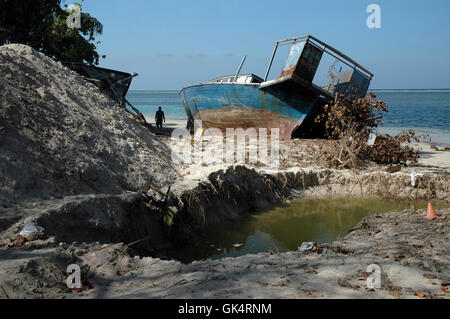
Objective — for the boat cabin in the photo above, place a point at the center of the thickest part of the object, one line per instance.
(243, 78)
(312, 67)
(318, 67)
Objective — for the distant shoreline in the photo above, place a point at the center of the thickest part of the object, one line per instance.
(409, 90)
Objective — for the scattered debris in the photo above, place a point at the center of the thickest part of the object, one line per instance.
(415, 174)
(308, 246)
(395, 293)
(31, 229)
(19, 242)
(372, 139)
(4, 292)
(394, 169)
(419, 294)
(85, 287)
(364, 276)
(351, 123)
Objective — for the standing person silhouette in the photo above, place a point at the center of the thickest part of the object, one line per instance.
(159, 117)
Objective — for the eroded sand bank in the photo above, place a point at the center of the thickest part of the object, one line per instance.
(412, 251)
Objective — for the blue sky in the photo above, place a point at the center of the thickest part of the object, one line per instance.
(173, 43)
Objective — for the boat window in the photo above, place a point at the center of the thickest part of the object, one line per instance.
(247, 79)
(320, 66)
(255, 79)
(242, 79)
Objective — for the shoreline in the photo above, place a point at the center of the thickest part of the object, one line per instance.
(428, 155)
(438, 137)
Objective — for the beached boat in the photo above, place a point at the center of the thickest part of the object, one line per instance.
(290, 102)
(113, 83)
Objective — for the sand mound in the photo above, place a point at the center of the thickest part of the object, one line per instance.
(59, 135)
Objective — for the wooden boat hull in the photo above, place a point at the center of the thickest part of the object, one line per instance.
(222, 106)
(113, 83)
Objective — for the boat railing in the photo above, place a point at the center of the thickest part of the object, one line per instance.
(308, 54)
(327, 48)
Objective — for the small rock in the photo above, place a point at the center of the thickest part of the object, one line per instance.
(32, 237)
(395, 293)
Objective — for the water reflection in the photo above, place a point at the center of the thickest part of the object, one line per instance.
(285, 227)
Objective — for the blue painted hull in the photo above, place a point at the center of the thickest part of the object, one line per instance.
(234, 105)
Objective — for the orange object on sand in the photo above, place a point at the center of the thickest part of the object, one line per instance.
(431, 213)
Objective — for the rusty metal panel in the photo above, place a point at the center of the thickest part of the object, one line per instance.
(303, 60)
(356, 84)
(292, 60)
(359, 84)
(309, 62)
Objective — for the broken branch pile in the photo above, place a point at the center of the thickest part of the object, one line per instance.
(350, 122)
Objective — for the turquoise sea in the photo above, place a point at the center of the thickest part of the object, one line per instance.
(148, 102)
(425, 111)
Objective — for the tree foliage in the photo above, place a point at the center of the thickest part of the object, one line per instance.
(42, 24)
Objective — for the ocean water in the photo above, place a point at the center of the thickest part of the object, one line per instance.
(148, 102)
(425, 111)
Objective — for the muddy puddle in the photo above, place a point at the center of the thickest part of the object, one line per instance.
(285, 227)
